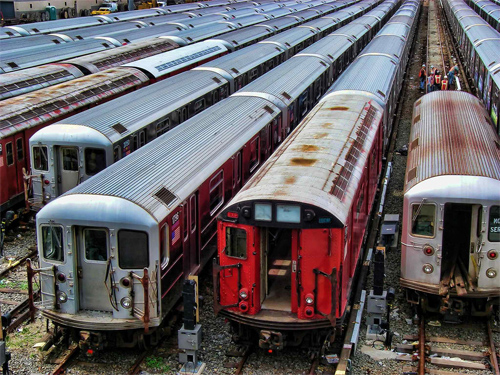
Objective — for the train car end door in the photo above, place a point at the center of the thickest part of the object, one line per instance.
(68, 164)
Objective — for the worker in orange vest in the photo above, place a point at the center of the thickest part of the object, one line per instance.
(437, 80)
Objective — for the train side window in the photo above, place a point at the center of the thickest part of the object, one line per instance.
(52, 240)
(40, 159)
(423, 220)
(185, 222)
(254, 154)
(20, 150)
(133, 249)
(9, 153)
(216, 188)
(237, 169)
(162, 127)
(192, 214)
(494, 224)
(165, 246)
(134, 141)
(236, 243)
(199, 106)
(215, 96)
(254, 73)
(142, 138)
(95, 160)
(96, 244)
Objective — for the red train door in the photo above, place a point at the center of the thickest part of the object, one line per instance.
(315, 260)
(20, 162)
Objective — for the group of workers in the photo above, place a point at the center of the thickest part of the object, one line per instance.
(434, 79)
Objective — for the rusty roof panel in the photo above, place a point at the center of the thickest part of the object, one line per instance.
(455, 137)
(309, 165)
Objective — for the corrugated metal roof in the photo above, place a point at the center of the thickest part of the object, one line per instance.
(21, 59)
(391, 45)
(146, 104)
(304, 169)
(31, 79)
(451, 134)
(26, 111)
(27, 42)
(182, 158)
(289, 79)
(58, 25)
(332, 45)
(378, 78)
(108, 30)
(243, 59)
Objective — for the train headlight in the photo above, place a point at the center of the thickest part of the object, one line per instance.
(309, 299)
(62, 297)
(492, 254)
(47, 196)
(243, 293)
(126, 302)
(427, 268)
(428, 250)
(491, 273)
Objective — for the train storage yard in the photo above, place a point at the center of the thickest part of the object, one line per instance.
(340, 216)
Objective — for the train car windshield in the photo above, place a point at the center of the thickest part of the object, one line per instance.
(52, 239)
(236, 243)
(96, 244)
(423, 219)
(133, 249)
(494, 224)
(40, 159)
(95, 161)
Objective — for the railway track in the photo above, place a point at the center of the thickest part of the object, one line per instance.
(431, 356)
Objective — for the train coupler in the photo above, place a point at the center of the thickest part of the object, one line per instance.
(271, 340)
(90, 342)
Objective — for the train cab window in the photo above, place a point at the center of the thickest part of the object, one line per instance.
(236, 243)
(133, 249)
(52, 240)
(70, 158)
(215, 98)
(216, 188)
(254, 154)
(135, 143)
(423, 220)
(494, 224)
(165, 246)
(9, 153)
(96, 244)
(40, 159)
(95, 160)
(20, 150)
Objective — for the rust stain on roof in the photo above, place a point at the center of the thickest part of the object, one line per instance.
(303, 162)
(320, 135)
(290, 180)
(309, 148)
(339, 108)
(327, 125)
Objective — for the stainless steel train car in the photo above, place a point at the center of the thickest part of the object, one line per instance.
(29, 119)
(168, 210)
(234, 70)
(450, 243)
(488, 10)
(480, 48)
(289, 242)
